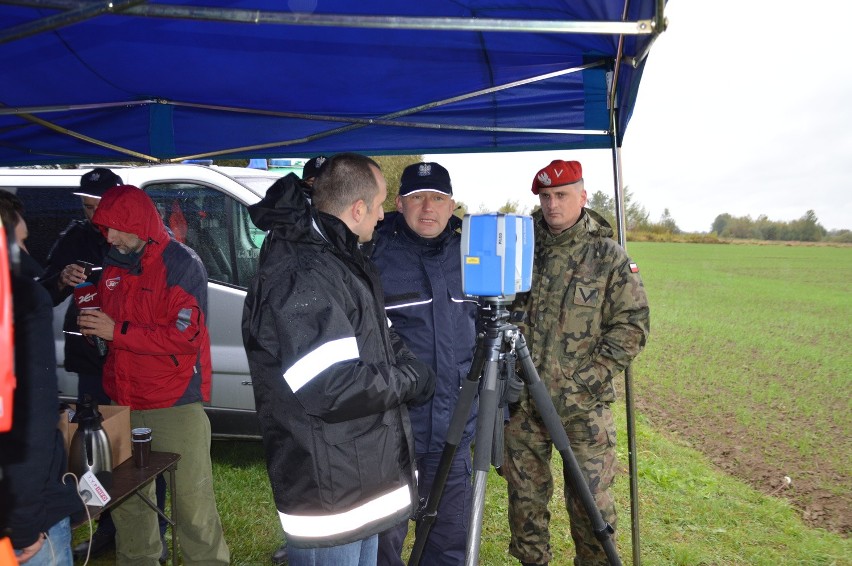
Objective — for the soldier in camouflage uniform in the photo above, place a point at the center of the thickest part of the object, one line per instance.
(585, 319)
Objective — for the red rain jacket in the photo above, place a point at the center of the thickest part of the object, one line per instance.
(160, 353)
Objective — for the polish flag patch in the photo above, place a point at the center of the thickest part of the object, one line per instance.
(634, 268)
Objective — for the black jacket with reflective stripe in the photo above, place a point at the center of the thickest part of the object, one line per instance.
(329, 396)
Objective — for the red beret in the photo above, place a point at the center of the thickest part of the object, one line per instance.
(556, 174)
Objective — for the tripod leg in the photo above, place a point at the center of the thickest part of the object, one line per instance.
(426, 517)
(603, 531)
(488, 401)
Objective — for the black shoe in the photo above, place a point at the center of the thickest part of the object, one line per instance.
(279, 557)
(101, 542)
(164, 554)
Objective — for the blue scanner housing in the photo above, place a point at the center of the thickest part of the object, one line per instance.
(496, 254)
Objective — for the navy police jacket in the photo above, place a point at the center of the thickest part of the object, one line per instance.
(425, 302)
(329, 389)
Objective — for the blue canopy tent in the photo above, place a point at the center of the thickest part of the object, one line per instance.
(130, 80)
(134, 81)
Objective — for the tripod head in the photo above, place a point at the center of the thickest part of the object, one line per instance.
(499, 336)
(494, 310)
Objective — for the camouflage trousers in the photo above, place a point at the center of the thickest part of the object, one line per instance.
(526, 467)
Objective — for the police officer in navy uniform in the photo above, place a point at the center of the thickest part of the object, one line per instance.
(418, 254)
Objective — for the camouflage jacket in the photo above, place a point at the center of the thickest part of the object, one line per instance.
(586, 315)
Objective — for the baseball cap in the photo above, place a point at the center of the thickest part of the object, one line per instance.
(97, 181)
(425, 177)
(557, 174)
(313, 166)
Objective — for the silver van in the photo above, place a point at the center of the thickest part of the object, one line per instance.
(206, 206)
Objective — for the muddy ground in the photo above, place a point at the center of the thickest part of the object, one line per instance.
(732, 450)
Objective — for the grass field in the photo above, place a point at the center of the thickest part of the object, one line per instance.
(745, 380)
(749, 359)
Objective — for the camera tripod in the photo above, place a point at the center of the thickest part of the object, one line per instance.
(499, 344)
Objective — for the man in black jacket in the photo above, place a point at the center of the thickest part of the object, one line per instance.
(309, 174)
(81, 242)
(331, 379)
(35, 505)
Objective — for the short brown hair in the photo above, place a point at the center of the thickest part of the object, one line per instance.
(346, 178)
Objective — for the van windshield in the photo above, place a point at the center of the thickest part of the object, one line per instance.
(258, 184)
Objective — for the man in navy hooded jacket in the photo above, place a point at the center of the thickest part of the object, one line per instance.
(418, 254)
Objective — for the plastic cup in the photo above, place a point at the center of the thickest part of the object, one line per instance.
(141, 438)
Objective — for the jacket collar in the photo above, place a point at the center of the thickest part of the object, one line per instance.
(334, 231)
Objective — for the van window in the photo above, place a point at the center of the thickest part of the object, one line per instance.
(48, 211)
(214, 225)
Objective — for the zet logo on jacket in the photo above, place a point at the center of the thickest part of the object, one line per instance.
(112, 283)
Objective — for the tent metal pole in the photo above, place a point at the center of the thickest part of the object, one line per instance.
(87, 139)
(80, 12)
(628, 372)
(355, 124)
(352, 123)
(206, 13)
(621, 226)
(9, 110)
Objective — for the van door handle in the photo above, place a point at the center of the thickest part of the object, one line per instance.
(246, 383)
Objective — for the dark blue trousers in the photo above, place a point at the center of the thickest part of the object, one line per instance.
(448, 536)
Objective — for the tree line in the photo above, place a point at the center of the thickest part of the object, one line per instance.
(636, 217)
(804, 229)
(638, 223)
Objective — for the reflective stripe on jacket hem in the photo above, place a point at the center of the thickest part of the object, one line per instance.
(322, 526)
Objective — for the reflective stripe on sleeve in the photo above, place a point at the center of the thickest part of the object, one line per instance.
(320, 359)
(411, 304)
(320, 526)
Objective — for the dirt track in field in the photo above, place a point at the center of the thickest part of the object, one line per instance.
(732, 450)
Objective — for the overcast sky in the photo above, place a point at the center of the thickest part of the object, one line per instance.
(745, 107)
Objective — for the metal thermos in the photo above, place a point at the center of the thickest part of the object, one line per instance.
(90, 448)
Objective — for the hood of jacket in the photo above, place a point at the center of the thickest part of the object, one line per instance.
(128, 209)
(283, 207)
(287, 214)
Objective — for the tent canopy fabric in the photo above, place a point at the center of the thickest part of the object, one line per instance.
(129, 80)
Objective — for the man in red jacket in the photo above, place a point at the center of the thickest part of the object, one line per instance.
(153, 293)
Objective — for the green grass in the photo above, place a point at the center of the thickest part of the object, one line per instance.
(751, 338)
(690, 513)
(759, 336)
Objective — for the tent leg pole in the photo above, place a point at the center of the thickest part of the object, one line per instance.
(628, 373)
